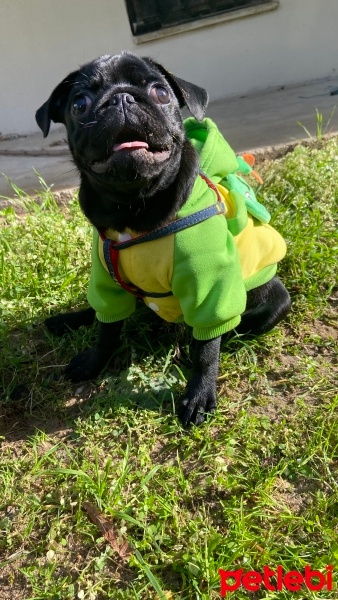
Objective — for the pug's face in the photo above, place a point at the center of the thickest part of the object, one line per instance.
(124, 123)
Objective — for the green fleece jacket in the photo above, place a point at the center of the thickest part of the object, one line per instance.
(209, 267)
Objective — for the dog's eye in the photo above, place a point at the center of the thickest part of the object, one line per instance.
(160, 94)
(81, 105)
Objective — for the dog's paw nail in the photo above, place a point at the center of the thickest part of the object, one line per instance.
(200, 418)
(185, 423)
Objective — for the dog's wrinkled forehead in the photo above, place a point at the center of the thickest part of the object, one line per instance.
(122, 69)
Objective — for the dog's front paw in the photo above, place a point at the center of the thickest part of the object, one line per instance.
(57, 325)
(84, 366)
(199, 400)
(66, 322)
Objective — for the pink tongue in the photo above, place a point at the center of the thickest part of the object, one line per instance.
(127, 145)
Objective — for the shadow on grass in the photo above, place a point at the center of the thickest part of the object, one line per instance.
(144, 374)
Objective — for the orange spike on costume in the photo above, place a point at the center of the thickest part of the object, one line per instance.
(257, 176)
(249, 158)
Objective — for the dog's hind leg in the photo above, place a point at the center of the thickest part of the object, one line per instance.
(65, 322)
(266, 306)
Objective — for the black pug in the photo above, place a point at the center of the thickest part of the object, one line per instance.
(173, 222)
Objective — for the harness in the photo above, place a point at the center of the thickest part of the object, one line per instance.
(111, 249)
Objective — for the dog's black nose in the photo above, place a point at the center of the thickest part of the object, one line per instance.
(122, 98)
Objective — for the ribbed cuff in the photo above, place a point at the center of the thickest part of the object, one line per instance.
(208, 333)
(113, 318)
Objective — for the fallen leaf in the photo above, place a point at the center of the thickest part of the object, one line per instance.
(106, 527)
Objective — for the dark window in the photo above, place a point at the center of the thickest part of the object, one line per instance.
(151, 15)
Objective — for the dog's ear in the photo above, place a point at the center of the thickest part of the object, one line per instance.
(188, 94)
(54, 108)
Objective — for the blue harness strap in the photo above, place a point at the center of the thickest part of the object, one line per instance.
(174, 226)
(111, 249)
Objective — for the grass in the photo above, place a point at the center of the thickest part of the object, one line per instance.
(256, 485)
(321, 127)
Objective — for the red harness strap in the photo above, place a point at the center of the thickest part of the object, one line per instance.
(114, 257)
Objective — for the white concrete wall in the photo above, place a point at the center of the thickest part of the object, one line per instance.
(42, 40)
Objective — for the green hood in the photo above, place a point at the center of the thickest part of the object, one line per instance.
(221, 165)
(217, 159)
